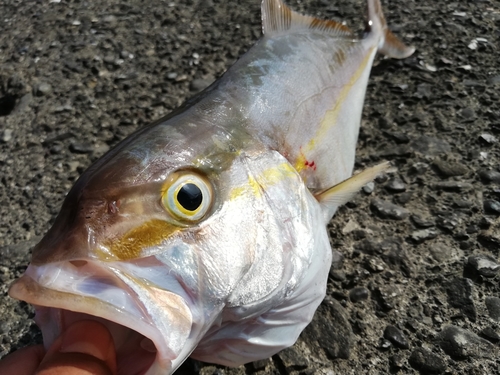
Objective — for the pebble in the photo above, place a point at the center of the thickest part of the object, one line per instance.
(491, 207)
(446, 223)
(359, 294)
(81, 147)
(493, 306)
(397, 361)
(427, 362)
(369, 187)
(395, 185)
(450, 169)
(422, 235)
(440, 252)
(384, 344)
(374, 264)
(23, 103)
(490, 334)
(460, 296)
(431, 146)
(397, 337)
(422, 222)
(404, 198)
(488, 138)
(484, 264)
(199, 84)
(292, 357)
(452, 186)
(490, 176)
(388, 210)
(461, 344)
(7, 135)
(331, 329)
(43, 88)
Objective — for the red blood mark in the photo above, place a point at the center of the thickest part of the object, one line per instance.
(310, 164)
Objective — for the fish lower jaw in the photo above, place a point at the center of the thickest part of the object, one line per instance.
(138, 347)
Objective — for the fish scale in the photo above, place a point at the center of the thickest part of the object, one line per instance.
(236, 274)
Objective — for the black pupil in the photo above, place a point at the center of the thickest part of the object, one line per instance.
(190, 197)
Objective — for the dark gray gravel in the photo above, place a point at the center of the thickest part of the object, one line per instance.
(77, 77)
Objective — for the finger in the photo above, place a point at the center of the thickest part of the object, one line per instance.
(23, 361)
(86, 346)
(74, 364)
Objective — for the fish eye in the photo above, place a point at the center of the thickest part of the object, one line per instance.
(187, 196)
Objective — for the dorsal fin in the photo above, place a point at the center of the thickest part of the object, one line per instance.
(278, 18)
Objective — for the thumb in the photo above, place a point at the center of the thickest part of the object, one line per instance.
(85, 348)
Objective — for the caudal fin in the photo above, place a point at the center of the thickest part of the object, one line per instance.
(390, 45)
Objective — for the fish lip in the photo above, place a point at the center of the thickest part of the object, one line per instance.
(30, 288)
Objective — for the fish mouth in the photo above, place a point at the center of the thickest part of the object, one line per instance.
(149, 329)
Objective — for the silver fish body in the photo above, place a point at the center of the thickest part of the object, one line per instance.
(204, 233)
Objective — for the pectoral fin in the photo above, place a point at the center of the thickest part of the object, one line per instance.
(330, 199)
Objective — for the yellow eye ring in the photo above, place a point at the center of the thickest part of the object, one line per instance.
(187, 196)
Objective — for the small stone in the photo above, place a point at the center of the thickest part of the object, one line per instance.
(359, 294)
(488, 138)
(449, 169)
(440, 252)
(452, 186)
(81, 147)
(447, 223)
(397, 361)
(491, 207)
(404, 197)
(422, 222)
(397, 337)
(172, 75)
(384, 344)
(431, 146)
(488, 176)
(369, 187)
(199, 84)
(490, 334)
(291, 357)
(395, 185)
(331, 329)
(375, 265)
(388, 210)
(427, 362)
(493, 306)
(7, 135)
(337, 259)
(420, 236)
(484, 264)
(460, 344)
(43, 88)
(23, 103)
(460, 296)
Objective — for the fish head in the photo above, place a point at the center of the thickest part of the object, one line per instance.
(155, 239)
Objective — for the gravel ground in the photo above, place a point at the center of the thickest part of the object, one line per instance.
(417, 290)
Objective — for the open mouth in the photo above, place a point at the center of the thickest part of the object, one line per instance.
(149, 325)
(135, 353)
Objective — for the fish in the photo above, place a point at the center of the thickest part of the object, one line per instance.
(204, 233)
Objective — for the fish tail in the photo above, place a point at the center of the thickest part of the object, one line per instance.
(389, 44)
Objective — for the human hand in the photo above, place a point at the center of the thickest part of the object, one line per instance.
(85, 348)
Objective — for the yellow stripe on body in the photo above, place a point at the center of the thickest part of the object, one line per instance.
(330, 117)
(132, 243)
(267, 178)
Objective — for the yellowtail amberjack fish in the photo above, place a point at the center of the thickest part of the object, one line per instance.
(204, 234)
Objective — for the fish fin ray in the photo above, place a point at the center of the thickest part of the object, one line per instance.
(278, 18)
(390, 45)
(330, 199)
